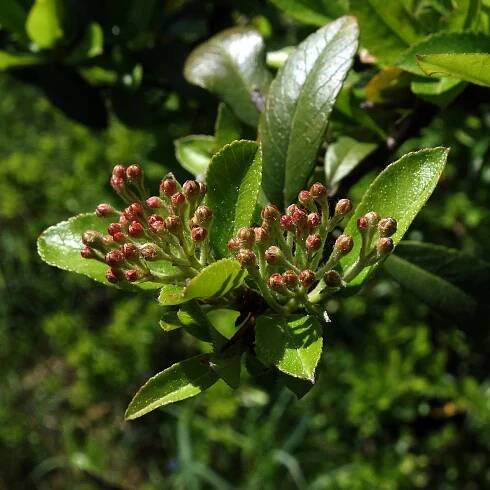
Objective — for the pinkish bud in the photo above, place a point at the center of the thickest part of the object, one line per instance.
(344, 244)
(112, 276)
(117, 183)
(233, 244)
(246, 237)
(154, 218)
(130, 250)
(105, 211)
(154, 202)
(158, 227)
(304, 197)
(313, 220)
(123, 221)
(168, 186)
(372, 218)
(291, 209)
(177, 199)
(362, 224)
(384, 246)
(173, 224)
(119, 171)
(190, 189)
(87, 253)
(149, 251)
(313, 242)
(114, 228)
(286, 223)
(299, 218)
(114, 257)
(119, 237)
(270, 213)
(332, 279)
(276, 282)
(290, 279)
(246, 257)
(135, 229)
(318, 191)
(134, 173)
(387, 227)
(132, 275)
(198, 234)
(343, 207)
(203, 215)
(273, 255)
(306, 278)
(261, 236)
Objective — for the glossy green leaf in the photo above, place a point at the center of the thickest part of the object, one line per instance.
(399, 191)
(12, 16)
(170, 321)
(44, 23)
(314, 12)
(232, 66)
(470, 67)
(233, 180)
(60, 246)
(438, 91)
(178, 382)
(432, 289)
(194, 153)
(18, 60)
(453, 42)
(294, 346)
(227, 128)
(343, 156)
(223, 320)
(90, 45)
(172, 294)
(300, 100)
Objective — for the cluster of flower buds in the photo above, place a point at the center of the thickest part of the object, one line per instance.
(172, 226)
(286, 255)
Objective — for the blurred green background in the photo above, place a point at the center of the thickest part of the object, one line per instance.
(403, 399)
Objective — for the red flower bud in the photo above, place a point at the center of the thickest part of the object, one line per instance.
(154, 202)
(173, 224)
(105, 211)
(304, 197)
(168, 186)
(344, 244)
(343, 207)
(130, 250)
(117, 183)
(286, 223)
(198, 234)
(291, 209)
(290, 279)
(246, 257)
(87, 253)
(306, 278)
(318, 191)
(134, 172)
(132, 275)
(332, 279)
(313, 242)
(362, 224)
(114, 257)
(233, 244)
(155, 218)
(261, 236)
(372, 218)
(276, 282)
(387, 227)
(190, 189)
(384, 246)
(246, 237)
(299, 218)
(150, 251)
(135, 229)
(112, 276)
(203, 215)
(114, 228)
(313, 220)
(270, 213)
(119, 237)
(123, 221)
(177, 199)
(119, 171)
(158, 227)
(92, 239)
(273, 255)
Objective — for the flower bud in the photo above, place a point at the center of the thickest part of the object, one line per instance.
(276, 282)
(318, 191)
(290, 279)
(130, 250)
(261, 236)
(233, 244)
(286, 223)
(105, 211)
(87, 253)
(362, 224)
(177, 199)
(93, 239)
(246, 237)
(344, 244)
(372, 218)
(270, 213)
(313, 242)
(173, 224)
(291, 209)
(246, 257)
(273, 255)
(112, 275)
(133, 211)
(117, 183)
(134, 173)
(384, 246)
(387, 227)
(154, 202)
(114, 228)
(304, 197)
(332, 279)
(119, 237)
(203, 215)
(306, 278)
(190, 189)
(119, 171)
(135, 229)
(168, 186)
(150, 251)
(299, 218)
(198, 234)
(158, 226)
(313, 220)
(132, 275)
(343, 207)
(114, 257)
(203, 188)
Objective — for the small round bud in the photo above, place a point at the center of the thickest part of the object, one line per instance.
(344, 244)
(150, 251)
(286, 223)
(119, 171)
(154, 218)
(273, 255)
(130, 250)
(313, 220)
(299, 218)
(246, 237)
(372, 218)
(134, 173)
(362, 224)
(123, 221)
(313, 242)
(154, 202)
(112, 276)
(168, 186)
(318, 191)
(306, 278)
(261, 236)
(177, 199)
(343, 207)
(384, 246)
(119, 237)
(203, 188)
(203, 215)
(92, 238)
(135, 229)
(332, 279)
(117, 183)
(290, 279)
(198, 234)
(87, 253)
(290, 210)
(173, 224)
(132, 275)
(105, 211)
(190, 189)
(114, 228)
(276, 282)
(387, 227)
(270, 213)
(158, 227)
(304, 197)
(114, 257)
(233, 244)
(246, 257)
(133, 211)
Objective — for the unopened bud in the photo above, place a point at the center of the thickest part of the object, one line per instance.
(156, 223)
(154, 202)
(299, 218)
(168, 186)
(203, 215)
(372, 218)
(273, 255)
(306, 278)
(261, 236)
(318, 191)
(130, 250)
(112, 275)
(270, 213)
(132, 275)
(134, 173)
(305, 198)
(387, 227)
(114, 228)
(233, 244)
(313, 220)
(246, 237)
(362, 224)
(114, 257)
(332, 279)
(286, 223)
(198, 234)
(135, 229)
(246, 257)
(133, 211)
(117, 183)
(190, 189)
(290, 210)
(313, 242)
(384, 246)
(203, 188)
(92, 239)
(119, 171)
(150, 251)
(177, 199)
(87, 253)
(119, 237)
(173, 224)
(276, 282)
(105, 211)
(290, 279)
(343, 207)
(344, 244)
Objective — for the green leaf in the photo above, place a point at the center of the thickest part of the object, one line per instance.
(60, 246)
(343, 156)
(294, 345)
(171, 295)
(232, 66)
(90, 45)
(460, 42)
(233, 180)
(170, 321)
(470, 67)
(432, 289)
(194, 153)
(228, 366)
(227, 128)
(399, 191)
(223, 320)
(44, 23)
(300, 387)
(178, 382)
(438, 91)
(12, 16)
(314, 12)
(18, 60)
(300, 100)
